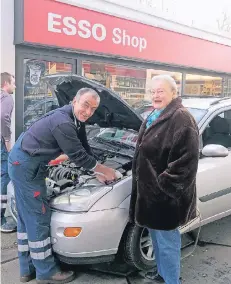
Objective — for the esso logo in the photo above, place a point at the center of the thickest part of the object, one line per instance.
(82, 28)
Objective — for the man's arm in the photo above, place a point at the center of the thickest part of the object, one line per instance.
(6, 112)
(182, 164)
(68, 141)
(83, 134)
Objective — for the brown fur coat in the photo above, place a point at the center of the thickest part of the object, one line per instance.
(164, 170)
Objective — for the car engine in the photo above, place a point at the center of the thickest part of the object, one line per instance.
(66, 177)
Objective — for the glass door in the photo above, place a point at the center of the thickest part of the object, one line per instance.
(33, 98)
(38, 99)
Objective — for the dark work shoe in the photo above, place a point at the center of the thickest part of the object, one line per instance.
(8, 227)
(27, 278)
(154, 277)
(60, 277)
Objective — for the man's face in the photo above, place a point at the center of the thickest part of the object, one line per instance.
(85, 107)
(10, 87)
(162, 94)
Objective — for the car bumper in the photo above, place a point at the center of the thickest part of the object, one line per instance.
(98, 241)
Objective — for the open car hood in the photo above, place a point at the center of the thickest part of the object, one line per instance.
(112, 111)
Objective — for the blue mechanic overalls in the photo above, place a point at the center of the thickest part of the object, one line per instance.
(34, 243)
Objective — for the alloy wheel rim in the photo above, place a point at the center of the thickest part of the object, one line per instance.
(146, 247)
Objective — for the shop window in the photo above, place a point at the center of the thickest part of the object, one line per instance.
(227, 87)
(132, 84)
(38, 99)
(203, 85)
(175, 75)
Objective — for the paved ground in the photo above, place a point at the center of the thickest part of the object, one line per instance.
(209, 264)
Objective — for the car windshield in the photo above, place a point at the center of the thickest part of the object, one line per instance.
(129, 137)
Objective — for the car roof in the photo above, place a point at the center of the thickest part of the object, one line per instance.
(205, 102)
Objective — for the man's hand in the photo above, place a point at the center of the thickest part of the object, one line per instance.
(58, 160)
(104, 174)
(62, 158)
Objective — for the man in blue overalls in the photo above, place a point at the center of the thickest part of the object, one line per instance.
(60, 131)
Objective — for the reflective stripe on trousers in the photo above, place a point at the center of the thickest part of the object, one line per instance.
(3, 201)
(41, 255)
(23, 248)
(22, 236)
(34, 245)
(3, 198)
(40, 244)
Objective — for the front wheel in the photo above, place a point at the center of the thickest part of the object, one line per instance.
(138, 248)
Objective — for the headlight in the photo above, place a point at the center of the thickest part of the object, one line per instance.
(80, 200)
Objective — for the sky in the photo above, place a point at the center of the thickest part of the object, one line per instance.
(201, 14)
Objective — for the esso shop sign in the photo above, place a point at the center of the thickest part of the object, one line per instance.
(85, 29)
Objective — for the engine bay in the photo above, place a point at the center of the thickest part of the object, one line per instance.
(66, 177)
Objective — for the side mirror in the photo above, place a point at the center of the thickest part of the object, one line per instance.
(213, 150)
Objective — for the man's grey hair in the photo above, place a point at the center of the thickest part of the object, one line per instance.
(83, 91)
(168, 79)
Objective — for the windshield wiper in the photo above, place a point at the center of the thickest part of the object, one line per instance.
(105, 142)
(124, 145)
(114, 143)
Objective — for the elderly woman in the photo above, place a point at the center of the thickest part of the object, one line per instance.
(164, 176)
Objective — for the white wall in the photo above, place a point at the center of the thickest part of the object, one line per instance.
(198, 18)
(7, 50)
(7, 54)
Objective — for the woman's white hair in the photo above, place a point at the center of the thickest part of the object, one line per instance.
(168, 79)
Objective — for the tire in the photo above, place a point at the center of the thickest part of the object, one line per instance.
(134, 254)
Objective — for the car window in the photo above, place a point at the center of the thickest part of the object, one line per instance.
(197, 113)
(218, 130)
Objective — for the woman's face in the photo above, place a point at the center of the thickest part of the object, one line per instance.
(162, 94)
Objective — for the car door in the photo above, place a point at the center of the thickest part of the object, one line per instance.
(214, 174)
(213, 182)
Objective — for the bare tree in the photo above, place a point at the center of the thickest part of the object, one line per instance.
(224, 23)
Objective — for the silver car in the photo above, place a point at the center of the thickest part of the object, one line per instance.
(89, 221)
